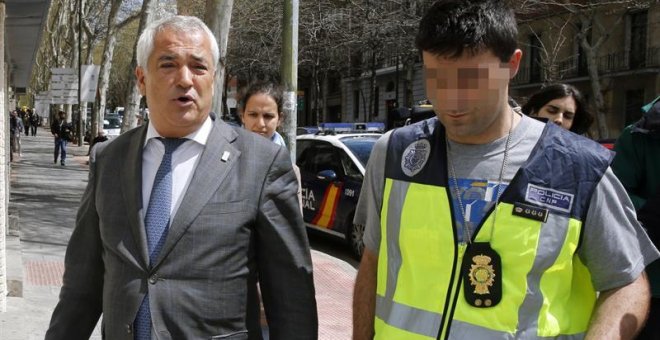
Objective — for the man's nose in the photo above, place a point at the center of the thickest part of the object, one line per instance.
(185, 77)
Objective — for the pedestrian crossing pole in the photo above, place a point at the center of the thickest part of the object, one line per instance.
(289, 73)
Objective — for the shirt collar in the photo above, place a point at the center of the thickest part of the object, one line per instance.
(200, 135)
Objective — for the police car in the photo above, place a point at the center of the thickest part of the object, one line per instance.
(332, 164)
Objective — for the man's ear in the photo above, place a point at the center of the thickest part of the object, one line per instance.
(139, 74)
(514, 63)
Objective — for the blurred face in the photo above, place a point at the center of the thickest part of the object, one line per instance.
(561, 111)
(261, 115)
(178, 82)
(469, 94)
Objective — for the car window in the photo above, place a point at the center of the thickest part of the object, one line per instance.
(326, 157)
(315, 156)
(350, 169)
(303, 155)
(361, 146)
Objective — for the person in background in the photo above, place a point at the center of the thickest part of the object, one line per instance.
(183, 217)
(562, 104)
(61, 131)
(261, 112)
(34, 122)
(26, 120)
(101, 136)
(15, 129)
(483, 223)
(637, 165)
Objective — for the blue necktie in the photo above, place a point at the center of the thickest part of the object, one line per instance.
(157, 221)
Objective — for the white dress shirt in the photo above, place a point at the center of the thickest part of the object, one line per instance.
(184, 162)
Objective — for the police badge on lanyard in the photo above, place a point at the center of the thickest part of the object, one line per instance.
(482, 275)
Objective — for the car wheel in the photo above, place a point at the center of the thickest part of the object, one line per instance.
(354, 235)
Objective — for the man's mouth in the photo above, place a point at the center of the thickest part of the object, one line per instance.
(184, 99)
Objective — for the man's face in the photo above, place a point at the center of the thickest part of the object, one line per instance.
(469, 94)
(178, 82)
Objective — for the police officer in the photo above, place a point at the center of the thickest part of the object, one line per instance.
(482, 223)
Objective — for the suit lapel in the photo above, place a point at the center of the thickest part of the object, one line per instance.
(131, 183)
(212, 169)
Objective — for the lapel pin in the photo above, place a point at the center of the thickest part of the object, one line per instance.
(225, 156)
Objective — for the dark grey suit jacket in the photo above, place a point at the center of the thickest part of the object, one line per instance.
(239, 222)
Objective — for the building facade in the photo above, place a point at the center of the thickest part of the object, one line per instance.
(627, 59)
(628, 63)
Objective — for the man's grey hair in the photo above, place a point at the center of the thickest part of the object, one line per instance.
(177, 23)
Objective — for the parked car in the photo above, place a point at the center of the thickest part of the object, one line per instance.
(112, 126)
(332, 169)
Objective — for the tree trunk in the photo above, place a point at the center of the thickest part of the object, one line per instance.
(218, 18)
(191, 7)
(315, 93)
(4, 178)
(89, 59)
(408, 92)
(324, 96)
(133, 93)
(106, 66)
(372, 87)
(597, 94)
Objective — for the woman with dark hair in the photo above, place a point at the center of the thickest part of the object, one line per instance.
(562, 104)
(260, 110)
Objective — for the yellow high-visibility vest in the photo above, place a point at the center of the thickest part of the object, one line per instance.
(546, 289)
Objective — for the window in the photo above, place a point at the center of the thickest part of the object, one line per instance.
(535, 63)
(638, 24)
(634, 103)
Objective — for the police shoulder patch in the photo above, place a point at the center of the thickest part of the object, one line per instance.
(549, 198)
(415, 157)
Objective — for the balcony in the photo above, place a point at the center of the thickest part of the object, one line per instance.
(608, 64)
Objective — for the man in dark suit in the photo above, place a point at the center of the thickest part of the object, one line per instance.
(232, 217)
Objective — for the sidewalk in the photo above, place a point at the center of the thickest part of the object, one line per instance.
(45, 198)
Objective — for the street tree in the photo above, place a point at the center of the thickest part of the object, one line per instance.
(112, 28)
(132, 104)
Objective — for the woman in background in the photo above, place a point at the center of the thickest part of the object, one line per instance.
(562, 104)
(261, 112)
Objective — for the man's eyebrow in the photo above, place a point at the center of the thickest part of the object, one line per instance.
(170, 57)
(166, 57)
(199, 58)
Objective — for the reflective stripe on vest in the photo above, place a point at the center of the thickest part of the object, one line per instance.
(547, 291)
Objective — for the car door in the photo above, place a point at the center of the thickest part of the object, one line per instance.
(322, 176)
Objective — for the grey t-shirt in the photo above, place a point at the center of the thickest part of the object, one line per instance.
(614, 246)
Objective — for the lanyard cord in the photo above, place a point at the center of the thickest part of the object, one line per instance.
(467, 237)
